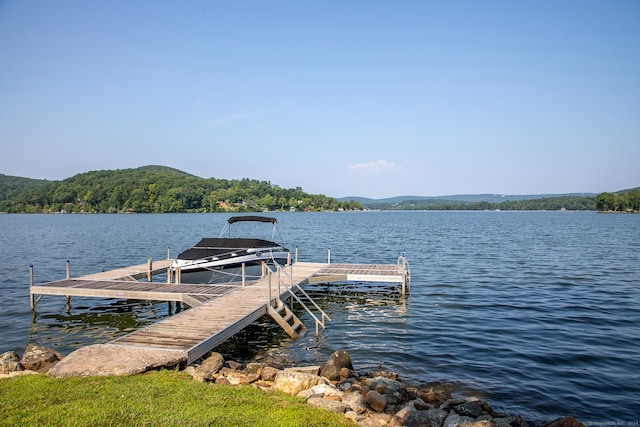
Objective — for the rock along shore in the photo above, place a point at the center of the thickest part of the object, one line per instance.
(369, 399)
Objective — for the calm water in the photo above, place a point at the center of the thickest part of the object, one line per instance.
(537, 312)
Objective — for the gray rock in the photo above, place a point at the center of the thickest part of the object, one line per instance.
(329, 405)
(195, 373)
(428, 418)
(421, 404)
(431, 396)
(376, 419)
(374, 383)
(487, 409)
(9, 362)
(232, 364)
(471, 408)
(353, 416)
(106, 359)
(456, 420)
(211, 366)
(355, 401)
(322, 390)
(292, 382)
(338, 360)
(376, 401)
(394, 391)
(404, 414)
(346, 373)
(313, 370)
(450, 403)
(39, 359)
(348, 386)
(255, 368)
(269, 373)
(502, 421)
(386, 374)
(9, 356)
(240, 378)
(518, 421)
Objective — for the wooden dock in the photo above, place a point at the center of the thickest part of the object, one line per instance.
(218, 311)
(122, 283)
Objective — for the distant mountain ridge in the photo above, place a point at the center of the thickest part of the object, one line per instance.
(465, 198)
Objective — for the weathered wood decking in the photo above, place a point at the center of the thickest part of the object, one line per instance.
(218, 311)
(200, 329)
(121, 283)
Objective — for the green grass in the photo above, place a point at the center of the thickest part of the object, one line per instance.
(153, 399)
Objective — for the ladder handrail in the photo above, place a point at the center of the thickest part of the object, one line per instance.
(307, 296)
(290, 289)
(297, 298)
(406, 267)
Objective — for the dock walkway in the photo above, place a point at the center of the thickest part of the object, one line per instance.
(200, 329)
(218, 311)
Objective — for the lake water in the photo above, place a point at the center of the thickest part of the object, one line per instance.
(536, 312)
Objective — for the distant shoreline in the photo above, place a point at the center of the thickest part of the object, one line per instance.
(618, 212)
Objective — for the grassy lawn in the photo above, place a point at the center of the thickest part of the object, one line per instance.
(153, 399)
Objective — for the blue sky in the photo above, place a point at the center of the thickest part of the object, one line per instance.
(343, 98)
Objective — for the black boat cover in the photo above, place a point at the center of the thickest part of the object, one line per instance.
(232, 243)
(214, 246)
(253, 218)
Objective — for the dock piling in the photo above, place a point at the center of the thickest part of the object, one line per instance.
(32, 303)
(68, 304)
(244, 283)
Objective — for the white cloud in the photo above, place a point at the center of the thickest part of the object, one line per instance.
(379, 166)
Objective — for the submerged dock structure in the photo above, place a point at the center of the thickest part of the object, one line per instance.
(218, 311)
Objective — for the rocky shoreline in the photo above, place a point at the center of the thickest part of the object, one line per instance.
(368, 399)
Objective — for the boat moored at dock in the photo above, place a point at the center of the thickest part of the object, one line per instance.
(216, 260)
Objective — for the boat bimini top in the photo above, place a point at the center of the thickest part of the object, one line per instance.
(212, 246)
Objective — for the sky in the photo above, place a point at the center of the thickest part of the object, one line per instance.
(344, 98)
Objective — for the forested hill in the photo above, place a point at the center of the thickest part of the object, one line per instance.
(13, 186)
(154, 189)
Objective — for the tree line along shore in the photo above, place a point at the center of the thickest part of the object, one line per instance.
(156, 189)
(160, 189)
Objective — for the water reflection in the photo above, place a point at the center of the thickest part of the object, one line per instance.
(89, 321)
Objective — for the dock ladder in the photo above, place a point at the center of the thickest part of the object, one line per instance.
(404, 268)
(283, 314)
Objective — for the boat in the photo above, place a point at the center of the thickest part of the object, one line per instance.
(216, 260)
